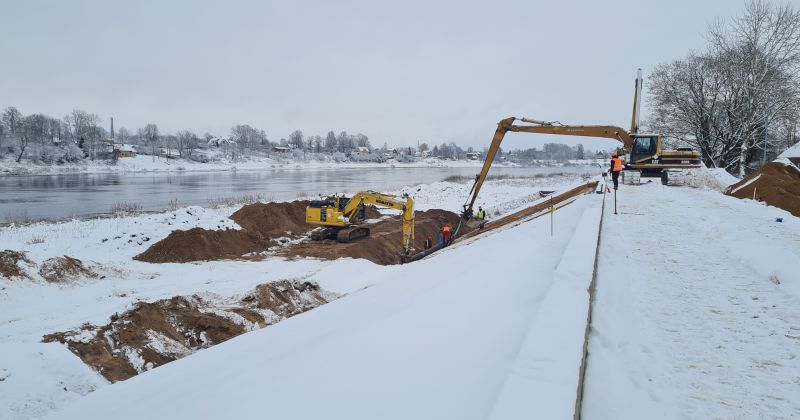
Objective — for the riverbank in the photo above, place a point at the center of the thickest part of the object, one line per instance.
(9, 167)
(41, 377)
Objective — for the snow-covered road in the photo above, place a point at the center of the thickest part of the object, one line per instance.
(688, 319)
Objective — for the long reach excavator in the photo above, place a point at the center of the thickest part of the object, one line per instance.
(644, 151)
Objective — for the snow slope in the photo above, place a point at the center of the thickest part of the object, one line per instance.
(697, 310)
(435, 339)
(42, 377)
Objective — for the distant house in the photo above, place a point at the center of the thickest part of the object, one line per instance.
(281, 149)
(423, 153)
(220, 141)
(124, 151)
(473, 155)
(363, 150)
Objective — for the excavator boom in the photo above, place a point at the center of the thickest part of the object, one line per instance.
(542, 127)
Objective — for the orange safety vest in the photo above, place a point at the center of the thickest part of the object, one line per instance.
(446, 229)
(616, 164)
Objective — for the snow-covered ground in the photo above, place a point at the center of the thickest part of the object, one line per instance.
(443, 338)
(40, 377)
(142, 163)
(697, 310)
(696, 315)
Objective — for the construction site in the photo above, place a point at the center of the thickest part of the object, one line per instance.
(653, 276)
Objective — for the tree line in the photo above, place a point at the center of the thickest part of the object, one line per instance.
(81, 135)
(738, 102)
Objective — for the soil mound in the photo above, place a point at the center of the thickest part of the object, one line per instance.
(777, 184)
(384, 245)
(272, 220)
(9, 264)
(199, 244)
(64, 269)
(262, 224)
(152, 334)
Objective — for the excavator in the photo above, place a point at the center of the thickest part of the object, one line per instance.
(644, 152)
(342, 218)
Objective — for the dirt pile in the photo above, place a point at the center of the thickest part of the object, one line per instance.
(384, 245)
(9, 264)
(64, 269)
(262, 224)
(777, 184)
(152, 334)
(200, 244)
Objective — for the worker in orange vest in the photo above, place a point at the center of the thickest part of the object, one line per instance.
(446, 234)
(616, 168)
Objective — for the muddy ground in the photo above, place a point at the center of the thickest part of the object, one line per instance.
(778, 185)
(152, 334)
(384, 245)
(264, 226)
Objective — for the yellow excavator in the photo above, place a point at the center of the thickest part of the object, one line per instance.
(644, 151)
(342, 218)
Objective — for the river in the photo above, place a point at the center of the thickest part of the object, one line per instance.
(65, 196)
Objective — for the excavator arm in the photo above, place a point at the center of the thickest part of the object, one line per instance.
(543, 127)
(353, 208)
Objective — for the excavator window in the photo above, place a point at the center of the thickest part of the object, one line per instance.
(644, 146)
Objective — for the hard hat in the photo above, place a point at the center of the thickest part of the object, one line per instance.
(613, 154)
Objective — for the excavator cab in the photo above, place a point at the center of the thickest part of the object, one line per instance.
(644, 146)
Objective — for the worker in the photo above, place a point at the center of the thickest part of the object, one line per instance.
(481, 213)
(616, 168)
(428, 242)
(446, 234)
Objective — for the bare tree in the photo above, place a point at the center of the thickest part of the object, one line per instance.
(731, 101)
(186, 143)
(149, 134)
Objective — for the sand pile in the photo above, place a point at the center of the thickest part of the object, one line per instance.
(152, 334)
(777, 184)
(9, 264)
(384, 245)
(64, 269)
(262, 224)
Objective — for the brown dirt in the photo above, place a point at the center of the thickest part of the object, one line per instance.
(200, 244)
(778, 185)
(152, 334)
(384, 245)
(9, 264)
(64, 269)
(261, 224)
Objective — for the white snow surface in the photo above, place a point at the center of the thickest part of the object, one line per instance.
(697, 309)
(142, 163)
(34, 374)
(436, 339)
(792, 152)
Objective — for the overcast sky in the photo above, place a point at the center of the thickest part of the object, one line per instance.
(399, 72)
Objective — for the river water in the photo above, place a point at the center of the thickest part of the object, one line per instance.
(64, 196)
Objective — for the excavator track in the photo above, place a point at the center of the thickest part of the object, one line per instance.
(352, 233)
(320, 234)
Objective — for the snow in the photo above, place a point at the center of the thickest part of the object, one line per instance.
(144, 163)
(109, 245)
(696, 315)
(434, 339)
(697, 309)
(752, 180)
(723, 176)
(546, 370)
(792, 152)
